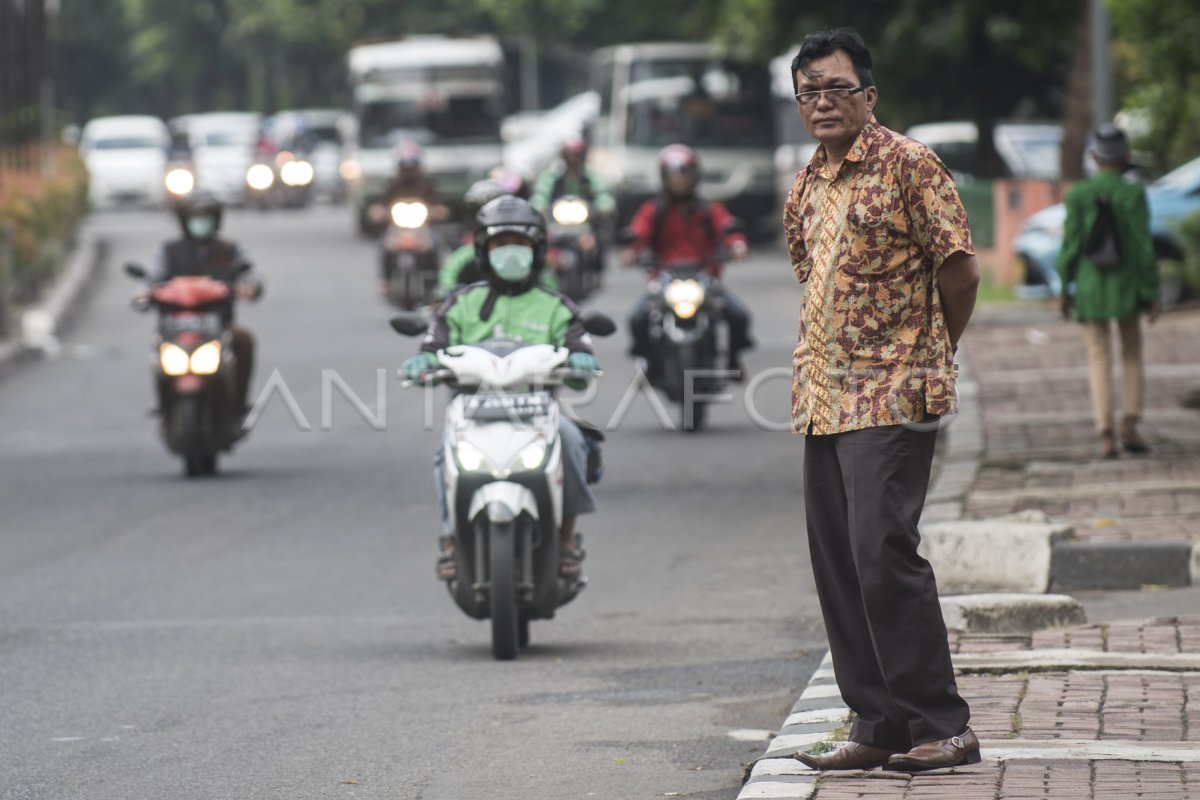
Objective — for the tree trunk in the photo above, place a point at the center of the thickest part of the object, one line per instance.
(982, 64)
(1077, 108)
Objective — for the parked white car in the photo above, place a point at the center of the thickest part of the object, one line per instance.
(126, 157)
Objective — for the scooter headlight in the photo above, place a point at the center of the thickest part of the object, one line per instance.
(260, 177)
(684, 297)
(409, 215)
(179, 181)
(570, 212)
(470, 458)
(173, 359)
(206, 359)
(532, 456)
(296, 173)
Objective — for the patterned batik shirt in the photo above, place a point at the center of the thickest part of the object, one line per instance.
(873, 347)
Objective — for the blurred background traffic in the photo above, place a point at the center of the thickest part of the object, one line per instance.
(281, 105)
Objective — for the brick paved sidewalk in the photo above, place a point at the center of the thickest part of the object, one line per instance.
(1040, 441)
(1068, 734)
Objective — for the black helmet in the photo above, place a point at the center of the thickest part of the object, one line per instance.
(509, 214)
(201, 203)
(481, 193)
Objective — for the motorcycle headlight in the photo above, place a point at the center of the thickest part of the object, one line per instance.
(684, 297)
(470, 458)
(179, 181)
(570, 212)
(260, 177)
(206, 358)
(296, 173)
(532, 456)
(409, 215)
(173, 359)
(350, 170)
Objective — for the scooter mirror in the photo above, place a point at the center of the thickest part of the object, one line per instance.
(599, 324)
(135, 270)
(409, 324)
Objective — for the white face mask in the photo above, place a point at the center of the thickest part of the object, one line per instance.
(201, 227)
(512, 263)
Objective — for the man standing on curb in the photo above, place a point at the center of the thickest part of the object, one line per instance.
(876, 229)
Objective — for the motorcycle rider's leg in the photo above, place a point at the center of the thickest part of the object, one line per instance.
(577, 495)
(243, 351)
(447, 569)
(737, 317)
(387, 266)
(639, 329)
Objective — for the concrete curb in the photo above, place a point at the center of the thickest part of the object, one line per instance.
(42, 324)
(820, 712)
(814, 718)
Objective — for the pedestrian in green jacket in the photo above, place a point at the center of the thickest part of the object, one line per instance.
(1115, 282)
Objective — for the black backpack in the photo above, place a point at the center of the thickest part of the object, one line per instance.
(1103, 243)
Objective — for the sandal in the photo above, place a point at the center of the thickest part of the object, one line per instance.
(570, 564)
(447, 566)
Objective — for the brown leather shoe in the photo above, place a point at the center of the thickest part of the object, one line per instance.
(1108, 443)
(952, 752)
(850, 756)
(1131, 440)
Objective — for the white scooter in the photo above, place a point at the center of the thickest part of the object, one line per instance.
(503, 477)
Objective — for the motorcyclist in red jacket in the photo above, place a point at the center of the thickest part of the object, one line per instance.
(681, 227)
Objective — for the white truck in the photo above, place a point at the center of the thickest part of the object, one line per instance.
(445, 94)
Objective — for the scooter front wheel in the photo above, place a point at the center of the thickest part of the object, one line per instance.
(506, 620)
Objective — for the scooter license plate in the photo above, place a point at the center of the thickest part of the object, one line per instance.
(483, 408)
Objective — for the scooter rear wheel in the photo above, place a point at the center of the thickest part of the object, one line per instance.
(506, 621)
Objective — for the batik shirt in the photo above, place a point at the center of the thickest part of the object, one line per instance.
(873, 346)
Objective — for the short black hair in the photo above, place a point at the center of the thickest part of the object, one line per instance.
(826, 43)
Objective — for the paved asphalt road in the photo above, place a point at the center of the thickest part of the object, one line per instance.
(277, 631)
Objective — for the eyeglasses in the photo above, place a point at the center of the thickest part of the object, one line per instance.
(838, 94)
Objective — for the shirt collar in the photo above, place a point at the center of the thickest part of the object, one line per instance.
(863, 144)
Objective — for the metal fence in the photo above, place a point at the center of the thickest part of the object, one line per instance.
(25, 78)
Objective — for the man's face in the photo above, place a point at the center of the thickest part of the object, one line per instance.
(834, 121)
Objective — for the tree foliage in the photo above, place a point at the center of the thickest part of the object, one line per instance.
(1159, 73)
(935, 59)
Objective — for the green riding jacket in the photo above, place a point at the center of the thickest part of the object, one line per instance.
(1133, 284)
(479, 312)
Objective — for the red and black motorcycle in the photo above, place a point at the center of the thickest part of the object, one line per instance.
(194, 368)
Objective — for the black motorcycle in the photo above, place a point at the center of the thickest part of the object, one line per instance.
(687, 340)
(574, 250)
(195, 369)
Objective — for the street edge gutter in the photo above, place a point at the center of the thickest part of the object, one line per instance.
(42, 324)
(814, 718)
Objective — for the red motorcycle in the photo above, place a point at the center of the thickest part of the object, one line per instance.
(194, 368)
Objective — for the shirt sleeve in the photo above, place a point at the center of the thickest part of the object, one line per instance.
(793, 229)
(721, 219)
(1072, 240)
(568, 329)
(1147, 264)
(643, 226)
(939, 221)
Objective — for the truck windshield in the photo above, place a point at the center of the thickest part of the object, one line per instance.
(700, 102)
(452, 120)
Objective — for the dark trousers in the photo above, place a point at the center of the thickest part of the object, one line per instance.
(863, 492)
(243, 350)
